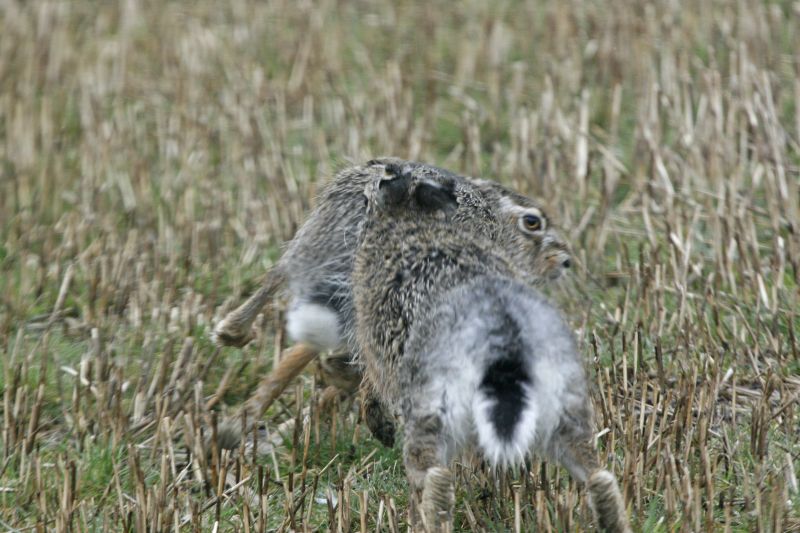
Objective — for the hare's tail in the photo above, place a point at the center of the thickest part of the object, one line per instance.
(235, 328)
(504, 417)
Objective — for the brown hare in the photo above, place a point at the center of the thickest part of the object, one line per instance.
(464, 352)
(317, 265)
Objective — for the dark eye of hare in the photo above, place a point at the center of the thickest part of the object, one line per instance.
(532, 222)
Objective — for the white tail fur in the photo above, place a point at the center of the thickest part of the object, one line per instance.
(314, 324)
(518, 406)
(510, 448)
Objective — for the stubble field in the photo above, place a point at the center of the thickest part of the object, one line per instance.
(155, 155)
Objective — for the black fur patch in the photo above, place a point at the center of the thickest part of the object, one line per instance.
(434, 197)
(392, 191)
(429, 195)
(331, 295)
(504, 380)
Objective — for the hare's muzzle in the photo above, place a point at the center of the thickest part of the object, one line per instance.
(556, 263)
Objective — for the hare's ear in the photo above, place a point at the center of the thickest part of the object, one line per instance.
(385, 161)
(436, 195)
(393, 187)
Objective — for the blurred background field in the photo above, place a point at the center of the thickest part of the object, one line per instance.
(155, 155)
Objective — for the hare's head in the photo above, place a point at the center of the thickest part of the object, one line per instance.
(517, 225)
(526, 233)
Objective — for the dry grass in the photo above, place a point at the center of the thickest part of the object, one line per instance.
(154, 154)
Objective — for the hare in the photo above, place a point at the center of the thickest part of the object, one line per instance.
(464, 352)
(317, 265)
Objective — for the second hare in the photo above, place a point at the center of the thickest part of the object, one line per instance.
(466, 354)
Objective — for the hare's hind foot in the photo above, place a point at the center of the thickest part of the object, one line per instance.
(606, 502)
(228, 332)
(432, 495)
(605, 499)
(438, 500)
(236, 329)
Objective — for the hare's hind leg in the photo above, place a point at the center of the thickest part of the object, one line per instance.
(579, 456)
(340, 370)
(235, 328)
(432, 494)
(292, 362)
(606, 502)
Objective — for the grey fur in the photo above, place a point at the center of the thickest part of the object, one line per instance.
(318, 261)
(317, 264)
(447, 325)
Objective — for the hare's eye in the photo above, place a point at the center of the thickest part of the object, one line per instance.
(531, 222)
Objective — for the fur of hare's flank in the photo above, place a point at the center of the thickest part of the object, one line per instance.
(466, 353)
(315, 270)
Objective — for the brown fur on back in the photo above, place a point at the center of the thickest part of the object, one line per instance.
(394, 280)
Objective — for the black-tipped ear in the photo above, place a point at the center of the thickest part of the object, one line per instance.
(436, 196)
(393, 189)
(385, 160)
